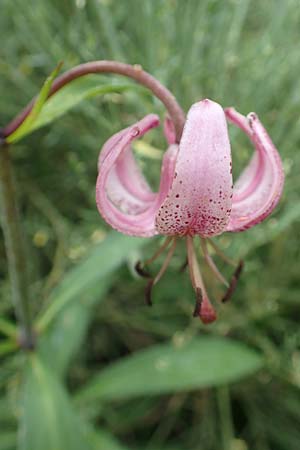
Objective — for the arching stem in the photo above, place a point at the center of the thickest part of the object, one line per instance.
(132, 71)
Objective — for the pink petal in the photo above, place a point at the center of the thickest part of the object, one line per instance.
(126, 174)
(258, 189)
(199, 201)
(123, 196)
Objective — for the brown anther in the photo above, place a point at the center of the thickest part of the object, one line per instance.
(141, 271)
(199, 298)
(233, 282)
(238, 270)
(148, 292)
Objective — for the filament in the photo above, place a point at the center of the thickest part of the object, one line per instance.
(210, 262)
(166, 261)
(159, 251)
(153, 281)
(222, 255)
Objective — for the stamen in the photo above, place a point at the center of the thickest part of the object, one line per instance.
(166, 261)
(159, 251)
(233, 282)
(152, 282)
(222, 255)
(210, 262)
(139, 266)
(204, 308)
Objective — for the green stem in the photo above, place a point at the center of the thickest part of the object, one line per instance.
(15, 248)
(224, 406)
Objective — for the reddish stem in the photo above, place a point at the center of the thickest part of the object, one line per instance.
(135, 72)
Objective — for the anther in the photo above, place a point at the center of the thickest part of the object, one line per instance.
(141, 271)
(148, 292)
(233, 282)
(199, 299)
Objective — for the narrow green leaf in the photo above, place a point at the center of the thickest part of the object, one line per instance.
(90, 273)
(197, 363)
(64, 338)
(48, 421)
(28, 125)
(74, 93)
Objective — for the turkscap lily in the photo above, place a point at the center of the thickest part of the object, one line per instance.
(196, 195)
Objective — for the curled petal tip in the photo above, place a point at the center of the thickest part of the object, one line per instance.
(258, 189)
(123, 196)
(135, 131)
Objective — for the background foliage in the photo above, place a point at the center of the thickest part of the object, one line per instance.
(110, 373)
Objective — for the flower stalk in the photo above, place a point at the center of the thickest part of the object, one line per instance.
(131, 71)
(15, 249)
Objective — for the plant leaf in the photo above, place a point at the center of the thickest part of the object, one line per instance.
(197, 363)
(48, 421)
(64, 338)
(88, 275)
(75, 92)
(28, 125)
(46, 110)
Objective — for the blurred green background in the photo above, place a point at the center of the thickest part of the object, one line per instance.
(110, 373)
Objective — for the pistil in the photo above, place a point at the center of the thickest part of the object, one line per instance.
(203, 307)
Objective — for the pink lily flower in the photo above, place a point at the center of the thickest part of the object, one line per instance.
(196, 194)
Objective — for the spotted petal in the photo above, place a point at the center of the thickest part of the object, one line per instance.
(123, 196)
(259, 187)
(199, 201)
